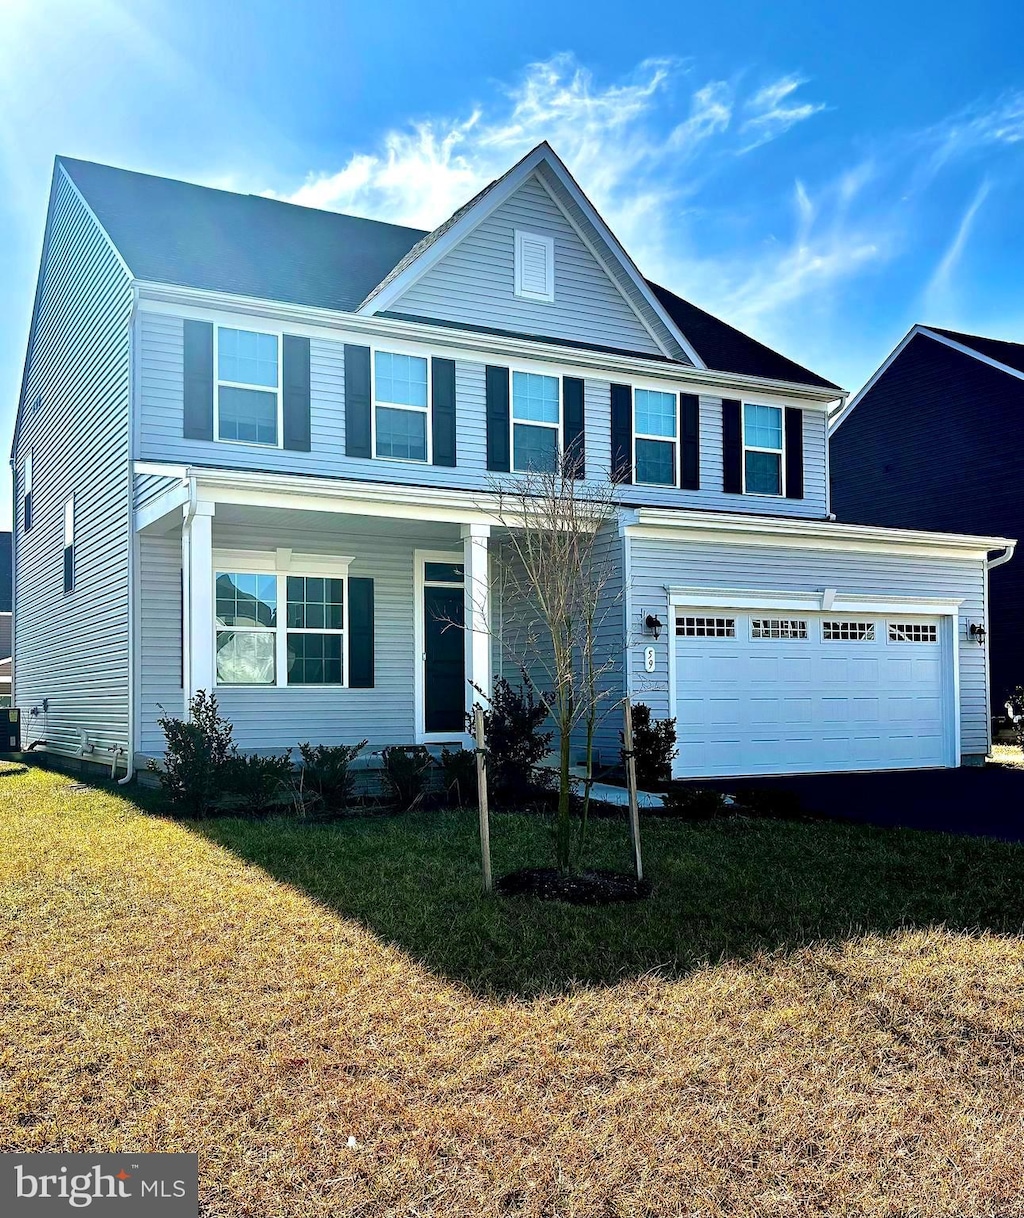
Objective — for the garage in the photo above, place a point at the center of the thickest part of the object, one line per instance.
(772, 691)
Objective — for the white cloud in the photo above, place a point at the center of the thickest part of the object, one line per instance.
(772, 111)
(938, 293)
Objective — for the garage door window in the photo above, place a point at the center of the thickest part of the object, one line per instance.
(912, 632)
(848, 632)
(777, 628)
(706, 627)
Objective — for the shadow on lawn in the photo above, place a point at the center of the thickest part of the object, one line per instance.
(726, 889)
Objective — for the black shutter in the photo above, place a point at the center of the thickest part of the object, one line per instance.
(732, 448)
(498, 455)
(295, 382)
(689, 432)
(442, 388)
(573, 430)
(622, 433)
(357, 401)
(794, 453)
(198, 423)
(360, 633)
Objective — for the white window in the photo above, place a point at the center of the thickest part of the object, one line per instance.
(655, 424)
(534, 266)
(706, 627)
(69, 545)
(777, 628)
(257, 644)
(912, 632)
(536, 422)
(248, 387)
(762, 450)
(401, 406)
(28, 491)
(848, 632)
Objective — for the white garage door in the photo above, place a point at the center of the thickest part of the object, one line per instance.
(774, 693)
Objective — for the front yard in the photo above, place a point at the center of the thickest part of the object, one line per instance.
(804, 1019)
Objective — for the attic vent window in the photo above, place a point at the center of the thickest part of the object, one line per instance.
(534, 266)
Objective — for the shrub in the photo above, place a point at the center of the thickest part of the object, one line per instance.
(693, 803)
(1015, 710)
(256, 784)
(458, 770)
(515, 743)
(197, 753)
(405, 774)
(326, 778)
(654, 748)
(769, 803)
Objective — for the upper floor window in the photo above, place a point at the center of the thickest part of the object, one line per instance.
(762, 450)
(27, 475)
(69, 545)
(536, 422)
(248, 387)
(534, 266)
(401, 406)
(655, 423)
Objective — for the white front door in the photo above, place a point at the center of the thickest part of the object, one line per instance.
(781, 692)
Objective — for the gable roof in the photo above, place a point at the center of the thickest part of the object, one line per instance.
(185, 235)
(998, 353)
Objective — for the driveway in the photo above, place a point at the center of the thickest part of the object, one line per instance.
(981, 800)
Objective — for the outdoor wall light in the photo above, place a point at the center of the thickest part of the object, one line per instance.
(653, 625)
(977, 632)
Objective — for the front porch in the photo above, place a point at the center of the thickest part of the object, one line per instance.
(312, 613)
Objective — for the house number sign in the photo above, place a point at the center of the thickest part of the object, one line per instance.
(649, 659)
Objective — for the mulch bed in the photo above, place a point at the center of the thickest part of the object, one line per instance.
(581, 888)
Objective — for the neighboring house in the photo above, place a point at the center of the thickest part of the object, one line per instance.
(255, 450)
(933, 441)
(6, 574)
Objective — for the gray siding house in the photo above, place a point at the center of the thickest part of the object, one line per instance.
(257, 451)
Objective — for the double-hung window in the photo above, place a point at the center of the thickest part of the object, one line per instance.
(655, 424)
(248, 387)
(257, 644)
(401, 406)
(762, 450)
(69, 544)
(536, 422)
(28, 491)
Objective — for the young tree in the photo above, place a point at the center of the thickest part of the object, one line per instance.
(553, 563)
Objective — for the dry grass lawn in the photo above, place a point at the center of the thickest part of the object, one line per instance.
(785, 1029)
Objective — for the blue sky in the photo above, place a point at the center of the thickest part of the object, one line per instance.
(822, 175)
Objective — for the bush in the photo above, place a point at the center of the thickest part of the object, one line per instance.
(654, 748)
(515, 743)
(770, 803)
(1015, 710)
(405, 774)
(198, 751)
(458, 770)
(693, 803)
(256, 784)
(326, 779)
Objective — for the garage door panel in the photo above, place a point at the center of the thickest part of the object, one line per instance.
(812, 701)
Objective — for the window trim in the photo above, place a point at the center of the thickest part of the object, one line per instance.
(278, 338)
(757, 448)
(26, 498)
(558, 428)
(281, 564)
(428, 410)
(677, 442)
(70, 528)
(521, 235)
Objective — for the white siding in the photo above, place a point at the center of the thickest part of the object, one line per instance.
(474, 282)
(72, 649)
(656, 565)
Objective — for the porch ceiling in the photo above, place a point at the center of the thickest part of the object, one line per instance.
(306, 530)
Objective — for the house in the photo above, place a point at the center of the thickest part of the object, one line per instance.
(933, 441)
(256, 452)
(6, 575)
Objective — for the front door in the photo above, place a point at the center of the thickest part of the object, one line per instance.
(444, 658)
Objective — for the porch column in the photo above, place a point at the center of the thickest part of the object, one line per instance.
(478, 610)
(197, 600)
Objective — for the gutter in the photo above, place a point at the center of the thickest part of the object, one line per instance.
(992, 563)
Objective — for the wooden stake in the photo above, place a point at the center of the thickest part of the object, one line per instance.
(634, 807)
(481, 791)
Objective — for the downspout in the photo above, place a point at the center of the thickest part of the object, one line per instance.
(990, 564)
(1007, 554)
(129, 772)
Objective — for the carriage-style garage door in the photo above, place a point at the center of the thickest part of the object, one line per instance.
(776, 692)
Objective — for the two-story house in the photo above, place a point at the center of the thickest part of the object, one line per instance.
(256, 444)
